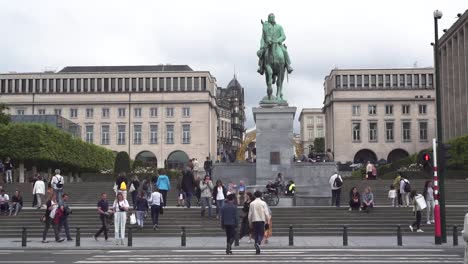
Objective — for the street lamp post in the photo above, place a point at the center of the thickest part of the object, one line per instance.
(439, 210)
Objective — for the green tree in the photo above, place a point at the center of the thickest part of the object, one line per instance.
(122, 163)
(319, 145)
(4, 117)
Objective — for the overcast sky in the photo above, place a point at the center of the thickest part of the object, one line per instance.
(220, 36)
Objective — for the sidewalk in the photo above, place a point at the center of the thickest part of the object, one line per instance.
(220, 242)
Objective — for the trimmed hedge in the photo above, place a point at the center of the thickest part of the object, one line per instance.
(45, 146)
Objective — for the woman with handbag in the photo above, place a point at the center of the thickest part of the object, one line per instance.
(120, 218)
(48, 219)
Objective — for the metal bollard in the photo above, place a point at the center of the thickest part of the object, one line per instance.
(399, 237)
(130, 237)
(291, 235)
(78, 237)
(236, 241)
(455, 235)
(183, 237)
(24, 237)
(345, 235)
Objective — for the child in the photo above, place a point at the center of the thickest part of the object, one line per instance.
(417, 208)
(392, 195)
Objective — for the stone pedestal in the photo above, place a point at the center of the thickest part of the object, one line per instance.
(274, 143)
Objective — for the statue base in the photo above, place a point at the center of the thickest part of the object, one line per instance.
(272, 102)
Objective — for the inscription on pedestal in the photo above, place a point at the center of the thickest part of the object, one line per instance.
(275, 158)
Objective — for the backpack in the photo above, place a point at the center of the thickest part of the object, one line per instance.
(338, 181)
(59, 184)
(123, 186)
(407, 187)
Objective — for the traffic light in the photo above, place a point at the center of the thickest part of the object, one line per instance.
(445, 156)
(425, 159)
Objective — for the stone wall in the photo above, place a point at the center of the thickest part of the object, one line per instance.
(235, 172)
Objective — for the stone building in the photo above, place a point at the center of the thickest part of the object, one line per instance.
(231, 112)
(374, 114)
(312, 121)
(163, 114)
(453, 65)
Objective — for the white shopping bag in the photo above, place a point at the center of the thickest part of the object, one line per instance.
(133, 219)
(420, 201)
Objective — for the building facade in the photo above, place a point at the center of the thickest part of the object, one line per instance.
(374, 114)
(165, 114)
(231, 120)
(312, 121)
(453, 65)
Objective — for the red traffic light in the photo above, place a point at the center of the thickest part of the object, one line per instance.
(427, 157)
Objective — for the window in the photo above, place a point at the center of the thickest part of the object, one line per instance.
(137, 134)
(89, 113)
(318, 120)
(356, 110)
(196, 83)
(189, 83)
(345, 81)
(387, 80)
(310, 120)
(168, 84)
(41, 111)
(20, 111)
(338, 81)
(359, 81)
(406, 131)
(175, 84)
(395, 80)
(356, 132)
(105, 135)
(405, 109)
(73, 113)
(366, 80)
(89, 133)
(105, 113)
(351, 81)
(137, 112)
(423, 131)
(186, 134)
(423, 80)
(153, 134)
(320, 132)
(373, 131)
(422, 109)
(154, 112)
(380, 80)
(186, 112)
(402, 80)
(311, 134)
(373, 80)
(389, 131)
(389, 109)
(169, 134)
(121, 134)
(416, 80)
(170, 112)
(58, 112)
(372, 109)
(121, 112)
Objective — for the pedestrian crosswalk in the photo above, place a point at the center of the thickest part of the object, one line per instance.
(293, 255)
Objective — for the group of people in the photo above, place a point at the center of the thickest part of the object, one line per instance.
(13, 207)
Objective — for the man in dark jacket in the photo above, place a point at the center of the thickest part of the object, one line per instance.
(229, 221)
(188, 182)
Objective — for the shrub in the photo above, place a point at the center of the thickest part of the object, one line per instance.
(122, 163)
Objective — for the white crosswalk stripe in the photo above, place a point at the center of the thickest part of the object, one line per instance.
(280, 256)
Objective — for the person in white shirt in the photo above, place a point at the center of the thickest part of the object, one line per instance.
(336, 182)
(120, 218)
(405, 194)
(156, 201)
(369, 170)
(4, 199)
(57, 184)
(392, 195)
(39, 191)
(196, 167)
(259, 214)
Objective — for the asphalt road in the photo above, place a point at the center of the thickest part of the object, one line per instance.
(270, 255)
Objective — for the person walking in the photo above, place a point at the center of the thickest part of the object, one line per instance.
(8, 167)
(156, 202)
(245, 227)
(229, 221)
(16, 203)
(196, 168)
(258, 216)
(405, 190)
(103, 209)
(396, 185)
(33, 181)
(417, 212)
(374, 172)
(354, 199)
(63, 205)
(241, 193)
(187, 184)
(367, 200)
(428, 194)
(392, 194)
(219, 194)
(133, 189)
(121, 185)
(141, 206)
(51, 210)
(207, 165)
(120, 218)
(268, 227)
(39, 191)
(4, 202)
(164, 185)
(336, 182)
(369, 170)
(57, 185)
(206, 195)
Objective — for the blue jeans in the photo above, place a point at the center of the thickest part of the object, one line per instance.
(206, 201)
(219, 205)
(64, 224)
(58, 194)
(259, 231)
(188, 197)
